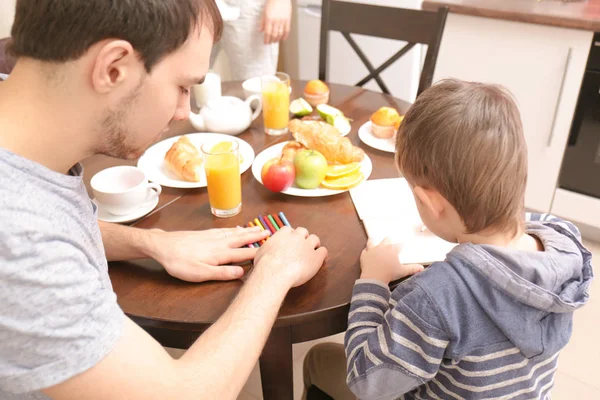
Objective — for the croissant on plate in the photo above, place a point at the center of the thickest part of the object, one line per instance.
(327, 140)
(185, 160)
(289, 151)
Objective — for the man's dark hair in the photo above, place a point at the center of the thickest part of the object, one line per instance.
(63, 30)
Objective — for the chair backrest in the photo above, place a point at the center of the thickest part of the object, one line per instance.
(411, 26)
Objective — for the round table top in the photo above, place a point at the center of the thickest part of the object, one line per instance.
(150, 296)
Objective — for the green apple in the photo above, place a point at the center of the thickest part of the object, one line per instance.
(311, 168)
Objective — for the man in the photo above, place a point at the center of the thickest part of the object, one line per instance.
(105, 77)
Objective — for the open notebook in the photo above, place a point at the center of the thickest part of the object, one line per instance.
(387, 209)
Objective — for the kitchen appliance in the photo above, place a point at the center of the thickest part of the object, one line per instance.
(580, 171)
(577, 196)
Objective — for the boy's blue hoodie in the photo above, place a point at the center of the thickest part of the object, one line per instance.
(488, 322)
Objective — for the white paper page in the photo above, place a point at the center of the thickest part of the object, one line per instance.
(387, 209)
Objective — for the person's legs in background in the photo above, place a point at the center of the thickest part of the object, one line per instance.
(325, 373)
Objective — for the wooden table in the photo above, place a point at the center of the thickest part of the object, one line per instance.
(176, 312)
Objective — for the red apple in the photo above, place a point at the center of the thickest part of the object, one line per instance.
(278, 175)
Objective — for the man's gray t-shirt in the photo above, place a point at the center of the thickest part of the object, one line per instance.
(58, 313)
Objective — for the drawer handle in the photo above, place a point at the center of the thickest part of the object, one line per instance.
(562, 85)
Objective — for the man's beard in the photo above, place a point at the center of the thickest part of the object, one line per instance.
(115, 131)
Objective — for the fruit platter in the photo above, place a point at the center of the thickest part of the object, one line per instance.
(320, 161)
(296, 170)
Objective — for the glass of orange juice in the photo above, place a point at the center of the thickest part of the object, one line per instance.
(223, 180)
(276, 103)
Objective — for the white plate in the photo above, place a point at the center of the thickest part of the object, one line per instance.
(323, 122)
(275, 151)
(153, 160)
(139, 212)
(365, 135)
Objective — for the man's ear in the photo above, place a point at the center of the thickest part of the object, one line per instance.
(430, 199)
(115, 62)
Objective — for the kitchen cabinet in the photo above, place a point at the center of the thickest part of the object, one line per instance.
(541, 65)
(576, 207)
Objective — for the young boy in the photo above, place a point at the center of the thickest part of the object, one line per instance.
(490, 320)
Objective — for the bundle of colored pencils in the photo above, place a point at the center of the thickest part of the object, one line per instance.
(272, 223)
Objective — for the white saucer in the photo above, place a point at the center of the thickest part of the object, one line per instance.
(138, 213)
(365, 135)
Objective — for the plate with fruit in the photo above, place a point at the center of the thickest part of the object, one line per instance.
(380, 132)
(316, 95)
(319, 162)
(177, 161)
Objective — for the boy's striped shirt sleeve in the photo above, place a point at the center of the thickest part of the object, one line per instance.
(394, 342)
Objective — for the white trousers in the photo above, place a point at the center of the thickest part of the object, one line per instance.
(243, 44)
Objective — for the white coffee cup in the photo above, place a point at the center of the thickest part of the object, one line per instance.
(207, 91)
(120, 190)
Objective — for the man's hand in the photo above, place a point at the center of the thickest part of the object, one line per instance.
(197, 256)
(287, 259)
(381, 262)
(291, 255)
(276, 20)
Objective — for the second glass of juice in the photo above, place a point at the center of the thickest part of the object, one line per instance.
(276, 103)
(223, 180)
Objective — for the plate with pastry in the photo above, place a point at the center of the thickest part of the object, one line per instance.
(321, 124)
(323, 162)
(177, 161)
(380, 132)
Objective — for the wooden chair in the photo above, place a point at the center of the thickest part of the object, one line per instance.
(412, 26)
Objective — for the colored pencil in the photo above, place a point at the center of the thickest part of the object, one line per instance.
(271, 227)
(284, 219)
(257, 223)
(278, 220)
(251, 225)
(273, 222)
(264, 223)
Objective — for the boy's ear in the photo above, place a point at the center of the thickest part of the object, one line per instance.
(430, 199)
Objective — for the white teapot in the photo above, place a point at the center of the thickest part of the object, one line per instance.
(226, 114)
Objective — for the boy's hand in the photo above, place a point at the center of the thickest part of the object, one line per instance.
(381, 262)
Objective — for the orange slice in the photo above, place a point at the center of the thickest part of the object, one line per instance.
(345, 182)
(338, 171)
(222, 147)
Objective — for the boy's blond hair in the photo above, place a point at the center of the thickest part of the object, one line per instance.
(465, 140)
